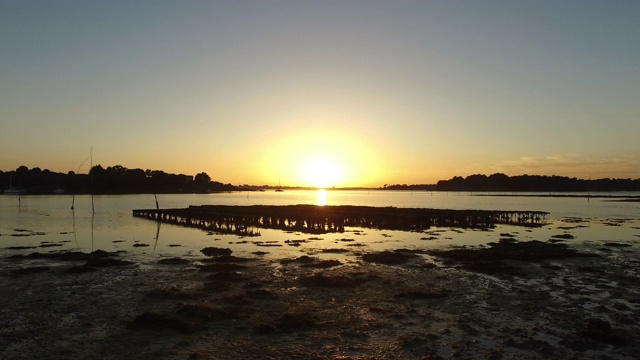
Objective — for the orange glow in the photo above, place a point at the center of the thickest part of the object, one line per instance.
(321, 158)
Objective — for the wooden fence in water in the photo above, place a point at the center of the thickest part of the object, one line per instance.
(314, 219)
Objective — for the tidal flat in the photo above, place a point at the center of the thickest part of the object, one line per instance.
(536, 299)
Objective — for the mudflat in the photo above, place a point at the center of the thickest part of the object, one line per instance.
(510, 299)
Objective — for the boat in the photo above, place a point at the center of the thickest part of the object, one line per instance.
(11, 190)
(58, 190)
(15, 192)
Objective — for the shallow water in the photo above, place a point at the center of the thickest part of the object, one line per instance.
(46, 222)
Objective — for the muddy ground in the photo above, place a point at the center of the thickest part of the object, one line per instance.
(524, 300)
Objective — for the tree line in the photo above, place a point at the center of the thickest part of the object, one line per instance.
(536, 183)
(111, 180)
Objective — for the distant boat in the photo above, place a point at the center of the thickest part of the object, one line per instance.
(58, 190)
(11, 190)
(279, 189)
(15, 192)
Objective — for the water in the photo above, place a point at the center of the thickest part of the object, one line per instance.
(46, 222)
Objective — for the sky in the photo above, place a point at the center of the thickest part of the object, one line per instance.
(322, 93)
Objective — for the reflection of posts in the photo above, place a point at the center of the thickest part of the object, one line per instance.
(75, 236)
(93, 215)
(243, 220)
(157, 234)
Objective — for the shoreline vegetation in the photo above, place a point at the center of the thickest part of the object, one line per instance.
(121, 180)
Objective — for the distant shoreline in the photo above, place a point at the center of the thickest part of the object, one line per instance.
(626, 197)
(121, 180)
(507, 193)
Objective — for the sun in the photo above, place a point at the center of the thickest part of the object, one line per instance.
(320, 158)
(321, 172)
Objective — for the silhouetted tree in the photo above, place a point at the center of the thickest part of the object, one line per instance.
(202, 179)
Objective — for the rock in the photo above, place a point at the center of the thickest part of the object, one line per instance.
(216, 286)
(80, 269)
(203, 312)
(227, 259)
(563, 236)
(30, 270)
(337, 281)
(215, 251)
(388, 257)
(34, 255)
(158, 322)
(334, 251)
(551, 267)
(493, 355)
(420, 295)
(289, 322)
(107, 262)
(324, 264)
(75, 256)
(613, 244)
(596, 333)
(216, 267)
(226, 276)
(409, 341)
(490, 259)
(20, 247)
(262, 294)
(264, 329)
(173, 261)
(304, 259)
(172, 293)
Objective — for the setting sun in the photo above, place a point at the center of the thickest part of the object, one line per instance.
(321, 172)
(321, 158)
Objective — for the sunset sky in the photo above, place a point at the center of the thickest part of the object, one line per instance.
(327, 93)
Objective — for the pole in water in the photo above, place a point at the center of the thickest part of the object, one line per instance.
(93, 208)
(157, 206)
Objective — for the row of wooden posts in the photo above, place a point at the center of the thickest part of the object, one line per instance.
(313, 219)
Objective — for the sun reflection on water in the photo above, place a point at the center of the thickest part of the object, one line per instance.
(322, 197)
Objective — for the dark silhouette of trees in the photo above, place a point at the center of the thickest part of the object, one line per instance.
(121, 180)
(502, 182)
(409, 187)
(202, 179)
(112, 180)
(533, 183)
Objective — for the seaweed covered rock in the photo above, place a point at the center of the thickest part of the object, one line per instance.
(173, 261)
(334, 281)
(389, 257)
(292, 322)
(531, 251)
(215, 251)
(157, 321)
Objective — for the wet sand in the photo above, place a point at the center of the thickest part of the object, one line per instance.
(525, 300)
